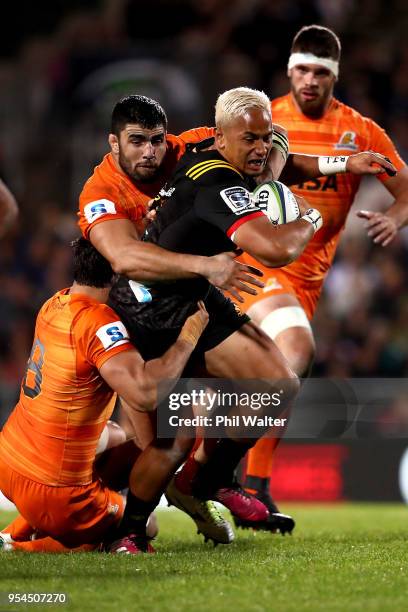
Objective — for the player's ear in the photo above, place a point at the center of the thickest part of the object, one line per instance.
(113, 143)
(219, 138)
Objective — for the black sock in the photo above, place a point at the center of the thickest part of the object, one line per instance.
(218, 472)
(136, 515)
(258, 484)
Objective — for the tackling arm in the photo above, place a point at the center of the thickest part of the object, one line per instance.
(383, 227)
(136, 381)
(119, 243)
(300, 168)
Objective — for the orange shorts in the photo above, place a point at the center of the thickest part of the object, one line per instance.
(278, 282)
(72, 515)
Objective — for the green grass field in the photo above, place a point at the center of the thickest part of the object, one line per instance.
(343, 557)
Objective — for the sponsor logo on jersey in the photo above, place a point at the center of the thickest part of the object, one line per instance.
(113, 334)
(112, 508)
(320, 184)
(238, 199)
(347, 141)
(98, 208)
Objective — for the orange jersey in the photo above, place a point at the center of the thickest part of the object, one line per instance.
(110, 193)
(341, 131)
(52, 434)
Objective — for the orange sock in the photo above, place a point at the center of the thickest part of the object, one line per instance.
(257, 472)
(260, 460)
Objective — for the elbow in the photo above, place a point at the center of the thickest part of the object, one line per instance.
(127, 263)
(141, 404)
(292, 253)
(119, 264)
(145, 397)
(278, 258)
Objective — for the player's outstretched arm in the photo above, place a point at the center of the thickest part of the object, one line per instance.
(382, 227)
(119, 243)
(300, 168)
(8, 209)
(136, 380)
(277, 245)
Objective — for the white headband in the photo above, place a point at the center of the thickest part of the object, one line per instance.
(309, 58)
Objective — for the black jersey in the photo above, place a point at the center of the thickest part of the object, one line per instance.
(206, 202)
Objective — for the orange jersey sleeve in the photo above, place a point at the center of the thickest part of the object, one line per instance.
(341, 131)
(380, 142)
(110, 194)
(52, 434)
(197, 134)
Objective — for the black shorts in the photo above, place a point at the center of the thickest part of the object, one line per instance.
(154, 326)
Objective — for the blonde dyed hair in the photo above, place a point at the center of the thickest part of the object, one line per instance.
(237, 102)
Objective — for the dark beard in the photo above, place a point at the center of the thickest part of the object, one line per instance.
(314, 109)
(135, 177)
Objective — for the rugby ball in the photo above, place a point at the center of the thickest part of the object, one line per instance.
(277, 202)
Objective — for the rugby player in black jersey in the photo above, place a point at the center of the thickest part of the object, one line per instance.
(210, 210)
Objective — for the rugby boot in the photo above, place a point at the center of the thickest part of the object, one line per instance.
(6, 542)
(241, 504)
(275, 522)
(204, 513)
(131, 544)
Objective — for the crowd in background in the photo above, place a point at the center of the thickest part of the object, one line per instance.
(64, 66)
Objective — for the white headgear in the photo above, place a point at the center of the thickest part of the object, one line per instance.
(308, 58)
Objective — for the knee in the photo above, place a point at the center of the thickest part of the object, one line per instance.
(112, 435)
(298, 347)
(282, 392)
(289, 385)
(281, 377)
(283, 386)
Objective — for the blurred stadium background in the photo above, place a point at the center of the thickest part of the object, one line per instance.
(64, 64)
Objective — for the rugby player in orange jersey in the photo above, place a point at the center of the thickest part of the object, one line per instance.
(317, 123)
(81, 357)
